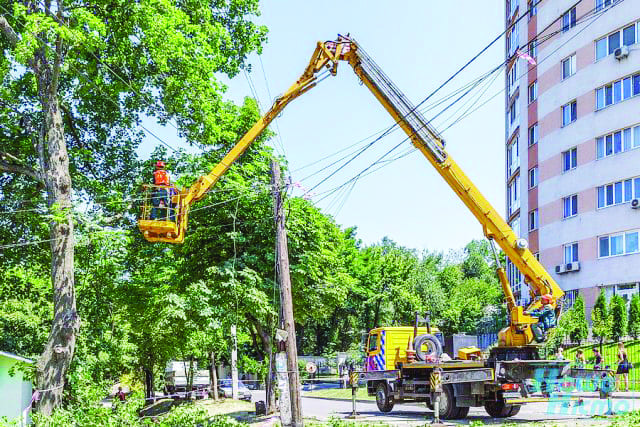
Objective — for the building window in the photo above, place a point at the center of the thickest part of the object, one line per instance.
(618, 244)
(515, 225)
(626, 36)
(533, 177)
(512, 78)
(617, 142)
(569, 113)
(533, 92)
(569, 159)
(514, 111)
(569, 19)
(533, 48)
(533, 8)
(618, 192)
(617, 91)
(512, 5)
(570, 206)
(513, 42)
(569, 66)
(571, 253)
(513, 157)
(601, 4)
(533, 220)
(533, 134)
(513, 196)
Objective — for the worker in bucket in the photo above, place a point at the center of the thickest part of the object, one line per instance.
(160, 194)
(546, 318)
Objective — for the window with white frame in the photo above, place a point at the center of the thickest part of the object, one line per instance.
(569, 66)
(602, 4)
(512, 5)
(617, 91)
(515, 225)
(617, 142)
(532, 6)
(618, 244)
(533, 91)
(514, 111)
(569, 113)
(533, 220)
(570, 252)
(569, 19)
(570, 206)
(513, 274)
(533, 177)
(570, 159)
(533, 134)
(513, 196)
(512, 78)
(626, 36)
(513, 156)
(533, 48)
(513, 42)
(618, 192)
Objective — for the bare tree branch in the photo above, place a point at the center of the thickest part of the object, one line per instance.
(11, 164)
(8, 32)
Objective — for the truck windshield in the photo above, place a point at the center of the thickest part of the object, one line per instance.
(373, 342)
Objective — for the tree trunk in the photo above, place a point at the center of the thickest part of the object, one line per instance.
(267, 344)
(56, 358)
(148, 385)
(213, 376)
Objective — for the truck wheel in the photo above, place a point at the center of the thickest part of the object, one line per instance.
(462, 412)
(499, 409)
(448, 408)
(433, 345)
(384, 400)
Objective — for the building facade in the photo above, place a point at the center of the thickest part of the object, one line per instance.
(572, 133)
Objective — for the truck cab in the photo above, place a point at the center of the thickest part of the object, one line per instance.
(387, 346)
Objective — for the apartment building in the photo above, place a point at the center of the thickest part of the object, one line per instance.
(572, 141)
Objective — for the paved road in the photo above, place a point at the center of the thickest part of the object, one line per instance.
(416, 414)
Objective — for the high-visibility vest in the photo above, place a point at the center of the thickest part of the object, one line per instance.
(160, 177)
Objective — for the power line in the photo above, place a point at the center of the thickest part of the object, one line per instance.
(378, 161)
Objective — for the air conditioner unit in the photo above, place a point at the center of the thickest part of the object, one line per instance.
(573, 266)
(621, 52)
(561, 269)
(635, 204)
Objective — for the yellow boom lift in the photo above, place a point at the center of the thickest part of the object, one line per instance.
(425, 138)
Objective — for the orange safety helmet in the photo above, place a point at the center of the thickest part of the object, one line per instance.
(159, 164)
(546, 298)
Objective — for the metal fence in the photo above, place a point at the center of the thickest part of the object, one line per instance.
(610, 354)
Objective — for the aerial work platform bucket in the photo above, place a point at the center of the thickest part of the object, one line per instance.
(163, 216)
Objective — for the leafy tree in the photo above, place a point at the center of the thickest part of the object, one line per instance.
(600, 322)
(75, 81)
(634, 316)
(578, 327)
(618, 318)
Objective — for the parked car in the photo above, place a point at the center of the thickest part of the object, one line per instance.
(224, 389)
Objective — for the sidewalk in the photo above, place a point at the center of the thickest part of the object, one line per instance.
(596, 395)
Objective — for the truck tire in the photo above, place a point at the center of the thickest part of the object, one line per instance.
(462, 412)
(433, 344)
(448, 408)
(499, 409)
(384, 399)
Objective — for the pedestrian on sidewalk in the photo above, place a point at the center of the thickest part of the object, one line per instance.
(623, 368)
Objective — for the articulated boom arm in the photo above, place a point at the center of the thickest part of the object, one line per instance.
(431, 145)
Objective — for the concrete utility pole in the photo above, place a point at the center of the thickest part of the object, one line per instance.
(285, 295)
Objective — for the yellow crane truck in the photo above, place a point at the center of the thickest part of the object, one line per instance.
(497, 383)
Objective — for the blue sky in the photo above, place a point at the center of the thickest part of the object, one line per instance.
(418, 44)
